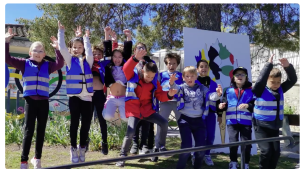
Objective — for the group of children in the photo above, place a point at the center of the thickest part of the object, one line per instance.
(146, 97)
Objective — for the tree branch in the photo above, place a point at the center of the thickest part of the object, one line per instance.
(282, 21)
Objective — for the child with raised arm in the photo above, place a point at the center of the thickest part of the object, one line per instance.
(268, 109)
(35, 71)
(79, 81)
(142, 89)
(238, 103)
(193, 106)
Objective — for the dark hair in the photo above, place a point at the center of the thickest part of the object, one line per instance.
(150, 66)
(172, 56)
(232, 82)
(275, 72)
(198, 63)
(140, 43)
(94, 48)
(77, 39)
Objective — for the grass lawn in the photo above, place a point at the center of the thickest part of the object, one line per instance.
(58, 155)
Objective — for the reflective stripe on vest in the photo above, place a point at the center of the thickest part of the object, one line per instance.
(35, 81)
(265, 108)
(235, 115)
(75, 76)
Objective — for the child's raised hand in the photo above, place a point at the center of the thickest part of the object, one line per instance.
(172, 92)
(243, 106)
(284, 62)
(107, 29)
(140, 54)
(219, 90)
(114, 37)
(54, 42)
(173, 78)
(222, 105)
(127, 33)
(87, 33)
(9, 35)
(78, 31)
(60, 26)
(271, 59)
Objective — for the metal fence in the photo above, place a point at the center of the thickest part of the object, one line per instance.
(186, 150)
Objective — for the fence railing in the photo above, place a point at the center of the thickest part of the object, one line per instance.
(186, 150)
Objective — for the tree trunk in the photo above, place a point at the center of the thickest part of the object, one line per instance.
(208, 16)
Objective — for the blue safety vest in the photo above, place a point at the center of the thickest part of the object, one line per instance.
(35, 81)
(164, 81)
(235, 115)
(75, 77)
(265, 108)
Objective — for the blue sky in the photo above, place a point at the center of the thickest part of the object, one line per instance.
(26, 11)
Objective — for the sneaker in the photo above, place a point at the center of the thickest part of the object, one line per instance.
(155, 159)
(208, 160)
(82, 153)
(163, 149)
(120, 163)
(74, 155)
(24, 166)
(193, 160)
(134, 149)
(104, 149)
(37, 164)
(144, 150)
(233, 165)
(246, 166)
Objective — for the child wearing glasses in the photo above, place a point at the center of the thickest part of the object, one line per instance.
(238, 103)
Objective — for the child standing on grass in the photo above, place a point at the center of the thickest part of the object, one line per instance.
(238, 103)
(268, 109)
(79, 81)
(35, 71)
(193, 106)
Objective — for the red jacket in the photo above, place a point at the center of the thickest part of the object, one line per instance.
(143, 107)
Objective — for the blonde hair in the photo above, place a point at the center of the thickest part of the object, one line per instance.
(37, 43)
(275, 72)
(189, 69)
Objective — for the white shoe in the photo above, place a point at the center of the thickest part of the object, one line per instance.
(82, 154)
(37, 164)
(24, 166)
(247, 166)
(74, 155)
(233, 165)
(208, 160)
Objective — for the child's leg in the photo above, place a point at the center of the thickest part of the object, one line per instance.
(276, 151)
(31, 110)
(163, 124)
(121, 105)
(86, 111)
(42, 118)
(165, 110)
(151, 136)
(210, 122)
(98, 101)
(186, 141)
(199, 131)
(246, 133)
(137, 134)
(145, 133)
(132, 123)
(173, 104)
(74, 106)
(233, 133)
(110, 108)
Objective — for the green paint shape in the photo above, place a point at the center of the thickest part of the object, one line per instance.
(226, 70)
(55, 79)
(223, 53)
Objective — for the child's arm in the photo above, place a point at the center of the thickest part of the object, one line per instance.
(222, 106)
(291, 75)
(262, 79)
(127, 45)
(107, 43)
(88, 48)
(62, 45)
(59, 63)
(213, 96)
(163, 96)
(128, 67)
(108, 76)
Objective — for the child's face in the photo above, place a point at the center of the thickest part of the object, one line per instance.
(37, 53)
(117, 58)
(97, 54)
(171, 64)
(189, 78)
(274, 82)
(240, 77)
(77, 48)
(148, 76)
(139, 47)
(203, 69)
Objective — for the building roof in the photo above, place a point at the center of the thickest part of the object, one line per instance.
(20, 30)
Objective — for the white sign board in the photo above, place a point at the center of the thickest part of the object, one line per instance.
(224, 52)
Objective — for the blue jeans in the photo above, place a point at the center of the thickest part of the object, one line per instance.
(187, 127)
(210, 122)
